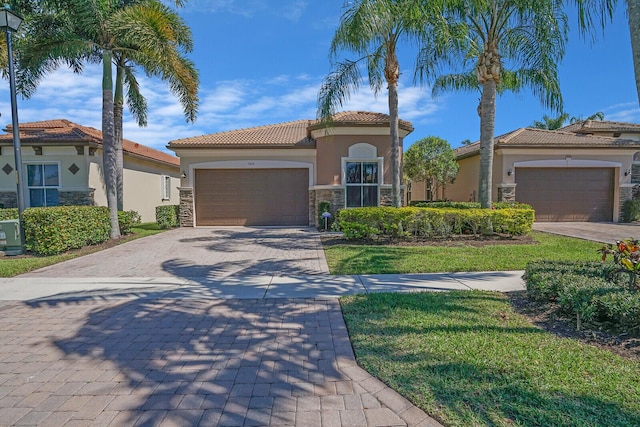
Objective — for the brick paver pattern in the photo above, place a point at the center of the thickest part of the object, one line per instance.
(187, 362)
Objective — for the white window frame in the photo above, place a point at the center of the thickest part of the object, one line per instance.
(165, 182)
(40, 187)
(345, 161)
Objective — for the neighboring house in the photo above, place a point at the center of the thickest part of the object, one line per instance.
(278, 174)
(62, 164)
(582, 172)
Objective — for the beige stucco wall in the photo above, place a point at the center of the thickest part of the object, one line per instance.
(191, 159)
(465, 186)
(332, 148)
(65, 157)
(142, 182)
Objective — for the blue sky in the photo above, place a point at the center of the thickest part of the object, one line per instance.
(263, 61)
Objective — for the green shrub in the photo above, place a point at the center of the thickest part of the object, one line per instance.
(168, 216)
(436, 222)
(467, 205)
(50, 231)
(10, 213)
(631, 211)
(126, 221)
(545, 278)
(621, 309)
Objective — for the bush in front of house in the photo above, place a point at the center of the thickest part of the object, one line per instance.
(631, 211)
(53, 230)
(388, 222)
(586, 291)
(126, 221)
(467, 205)
(168, 216)
(9, 213)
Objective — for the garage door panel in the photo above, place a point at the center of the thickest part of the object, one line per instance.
(252, 197)
(567, 194)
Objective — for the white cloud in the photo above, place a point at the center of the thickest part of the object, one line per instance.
(623, 112)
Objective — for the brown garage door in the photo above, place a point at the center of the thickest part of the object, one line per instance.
(252, 196)
(567, 194)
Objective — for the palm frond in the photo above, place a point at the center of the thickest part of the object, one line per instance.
(337, 88)
(457, 82)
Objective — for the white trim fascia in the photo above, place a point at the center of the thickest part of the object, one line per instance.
(327, 187)
(567, 163)
(251, 164)
(355, 130)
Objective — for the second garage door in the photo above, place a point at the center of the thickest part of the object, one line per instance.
(567, 194)
(252, 196)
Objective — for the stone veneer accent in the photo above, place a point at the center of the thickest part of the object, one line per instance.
(77, 198)
(186, 207)
(335, 196)
(386, 197)
(8, 199)
(506, 192)
(625, 193)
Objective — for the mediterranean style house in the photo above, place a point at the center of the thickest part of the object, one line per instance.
(279, 174)
(62, 165)
(582, 172)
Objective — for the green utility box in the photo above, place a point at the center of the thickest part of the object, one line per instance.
(10, 240)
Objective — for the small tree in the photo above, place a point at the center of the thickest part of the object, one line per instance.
(431, 160)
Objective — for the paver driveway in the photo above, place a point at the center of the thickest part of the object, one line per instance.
(214, 253)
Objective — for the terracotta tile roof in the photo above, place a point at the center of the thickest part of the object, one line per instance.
(589, 126)
(295, 134)
(288, 134)
(62, 131)
(542, 138)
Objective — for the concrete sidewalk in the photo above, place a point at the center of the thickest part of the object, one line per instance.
(251, 287)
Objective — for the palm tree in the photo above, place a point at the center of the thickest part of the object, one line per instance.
(501, 45)
(550, 123)
(106, 31)
(372, 29)
(157, 49)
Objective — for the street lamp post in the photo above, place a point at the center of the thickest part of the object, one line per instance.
(10, 22)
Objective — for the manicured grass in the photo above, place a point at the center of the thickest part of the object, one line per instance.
(468, 360)
(377, 259)
(12, 266)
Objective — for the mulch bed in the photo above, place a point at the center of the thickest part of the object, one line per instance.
(546, 317)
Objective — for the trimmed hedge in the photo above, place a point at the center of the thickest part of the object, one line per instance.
(631, 211)
(586, 291)
(373, 222)
(467, 205)
(11, 213)
(126, 221)
(168, 216)
(50, 231)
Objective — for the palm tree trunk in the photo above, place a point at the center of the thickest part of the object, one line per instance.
(633, 11)
(487, 126)
(396, 167)
(108, 152)
(118, 108)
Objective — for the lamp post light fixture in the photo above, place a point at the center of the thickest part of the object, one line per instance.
(10, 22)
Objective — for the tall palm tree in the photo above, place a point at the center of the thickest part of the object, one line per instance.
(106, 31)
(157, 50)
(372, 29)
(502, 45)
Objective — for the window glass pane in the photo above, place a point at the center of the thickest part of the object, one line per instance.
(370, 173)
(353, 172)
(51, 175)
(52, 197)
(370, 196)
(354, 196)
(34, 175)
(36, 198)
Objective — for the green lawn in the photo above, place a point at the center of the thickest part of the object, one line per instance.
(377, 259)
(12, 266)
(468, 359)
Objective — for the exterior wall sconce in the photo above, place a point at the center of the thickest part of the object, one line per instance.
(510, 172)
(627, 172)
(184, 174)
